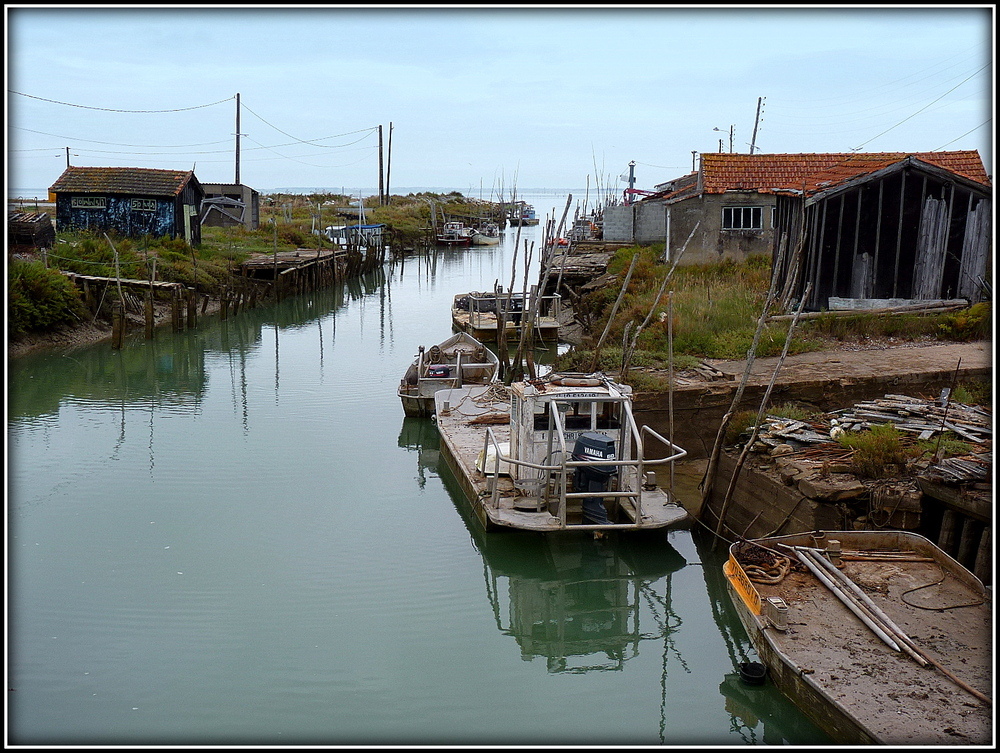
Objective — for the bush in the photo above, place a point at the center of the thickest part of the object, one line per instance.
(40, 299)
(972, 323)
(874, 450)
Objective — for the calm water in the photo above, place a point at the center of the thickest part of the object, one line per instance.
(233, 536)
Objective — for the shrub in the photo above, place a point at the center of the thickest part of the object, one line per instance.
(972, 323)
(874, 450)
(39, 299)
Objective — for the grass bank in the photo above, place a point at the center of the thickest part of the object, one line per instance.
(711, 311)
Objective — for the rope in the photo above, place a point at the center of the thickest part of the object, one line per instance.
(944, 576)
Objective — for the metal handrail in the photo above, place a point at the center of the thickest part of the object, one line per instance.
(555, 417)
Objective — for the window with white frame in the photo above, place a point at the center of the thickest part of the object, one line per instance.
(742, 218)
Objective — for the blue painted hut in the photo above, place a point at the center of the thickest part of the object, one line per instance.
(130, 201)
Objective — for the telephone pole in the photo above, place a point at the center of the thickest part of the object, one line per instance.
(756, 122)
(381, 185)
(237, 138)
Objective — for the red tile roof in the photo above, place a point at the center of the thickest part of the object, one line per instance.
(122, 180)
(770, 173)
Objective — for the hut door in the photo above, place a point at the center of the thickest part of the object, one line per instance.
(931, 246)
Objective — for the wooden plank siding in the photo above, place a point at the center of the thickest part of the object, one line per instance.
(909, 231)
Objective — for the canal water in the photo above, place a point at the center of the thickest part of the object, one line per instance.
(232, 536)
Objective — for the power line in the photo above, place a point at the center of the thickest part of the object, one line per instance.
(107, 109)
(857, 148)
(311, 142)
(114, 143)
(963, 135)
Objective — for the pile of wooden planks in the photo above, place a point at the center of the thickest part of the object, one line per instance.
(925, 418)
(920, 418)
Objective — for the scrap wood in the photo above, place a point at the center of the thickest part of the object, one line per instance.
(491, 418)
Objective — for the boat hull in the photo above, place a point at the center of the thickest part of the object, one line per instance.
(853, 685)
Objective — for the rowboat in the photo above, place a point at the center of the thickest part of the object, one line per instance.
(458, 360)
(476, 313)
(878, 636)
(556, 454)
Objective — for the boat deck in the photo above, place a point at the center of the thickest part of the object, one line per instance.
(888, 693)
(484, 325)
(462, 417)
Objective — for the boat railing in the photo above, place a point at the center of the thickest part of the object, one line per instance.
(483, 305)
(492, 484)
(565, 467)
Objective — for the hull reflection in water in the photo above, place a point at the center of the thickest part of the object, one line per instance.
(577, 602)
(581, 604)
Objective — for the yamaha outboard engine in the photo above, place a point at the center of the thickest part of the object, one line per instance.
(592, 445)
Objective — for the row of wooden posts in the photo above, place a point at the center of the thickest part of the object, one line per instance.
(139, 295)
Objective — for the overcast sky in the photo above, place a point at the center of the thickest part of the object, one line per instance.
(483, 98)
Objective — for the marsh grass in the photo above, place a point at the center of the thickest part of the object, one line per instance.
(716, 308)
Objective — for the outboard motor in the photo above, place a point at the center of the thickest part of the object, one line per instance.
(592, 445)
(439, 372)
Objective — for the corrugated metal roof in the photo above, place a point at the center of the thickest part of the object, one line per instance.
(771, 173)
(122, 180)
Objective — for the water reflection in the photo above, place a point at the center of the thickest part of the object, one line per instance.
(420, 436)
(761, 716)
(575, 601)
(581, 604)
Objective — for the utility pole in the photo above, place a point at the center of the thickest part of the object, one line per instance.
(693, 153)
(388, 163)
(67, 156)
(756, 122)
(381, 185)
(237, 138)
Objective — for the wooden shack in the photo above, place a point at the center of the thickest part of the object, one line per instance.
(130, 201)
(229, 205)
(885, 227)
(33, 229)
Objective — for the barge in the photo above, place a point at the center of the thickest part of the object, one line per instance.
(878, 636)
(476, 314)
(561, 453)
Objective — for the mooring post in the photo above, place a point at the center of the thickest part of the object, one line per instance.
(175, 310)
(117, 325)
(150, 320)
(224, 304)
(192, 309)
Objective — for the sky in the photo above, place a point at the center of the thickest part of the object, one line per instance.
(482, 99)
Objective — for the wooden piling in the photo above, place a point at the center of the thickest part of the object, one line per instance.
(984, 557)
(192, 309)
(117, 325)
(946, 539)
(175, 311)
(150, 318)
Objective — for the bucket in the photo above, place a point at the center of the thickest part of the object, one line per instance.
(752, 672)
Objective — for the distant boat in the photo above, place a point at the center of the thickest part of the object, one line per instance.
(457, 361)
(486, 235)
(522, 213)
(826, 612)
(455, 234)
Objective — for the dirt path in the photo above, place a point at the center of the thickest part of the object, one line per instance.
(845, 364)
